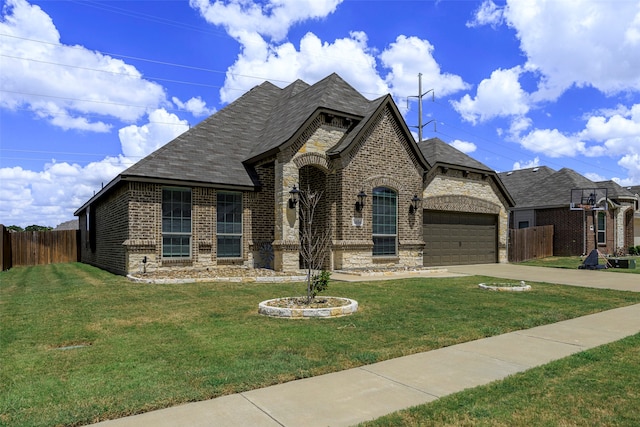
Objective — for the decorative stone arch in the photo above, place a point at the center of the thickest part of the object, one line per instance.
(384, 181)
(458, 203)
(313, 159)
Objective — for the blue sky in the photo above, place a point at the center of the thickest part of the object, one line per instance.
(87, 88)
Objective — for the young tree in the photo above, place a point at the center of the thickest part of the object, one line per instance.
(314, 243)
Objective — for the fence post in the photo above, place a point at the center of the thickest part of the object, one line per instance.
(5, 248)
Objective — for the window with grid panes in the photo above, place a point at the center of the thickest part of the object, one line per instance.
(602, 228)
(229, 224)
(385, 221)
(176, 222)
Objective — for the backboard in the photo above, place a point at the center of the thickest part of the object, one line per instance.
(588, 199)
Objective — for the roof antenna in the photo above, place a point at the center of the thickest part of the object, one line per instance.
(433, 98)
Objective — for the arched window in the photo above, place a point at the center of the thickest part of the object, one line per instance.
(385, 221)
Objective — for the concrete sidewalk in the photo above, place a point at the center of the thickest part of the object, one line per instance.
(355, 395)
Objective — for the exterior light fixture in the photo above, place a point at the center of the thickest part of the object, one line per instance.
(413, 207)
(293, 200)
(360, 203)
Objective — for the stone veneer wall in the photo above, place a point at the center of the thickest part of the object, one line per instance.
(308, 150)
(463, 191)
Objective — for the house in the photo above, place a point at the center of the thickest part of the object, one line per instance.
(222, 193)
(635, 190)
(543, 197)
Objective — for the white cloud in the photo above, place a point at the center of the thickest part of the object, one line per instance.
(464, 146)
(138, 141)
(90, 83)
(579, 42)
(51, 196)
(350, 57)
(195, 106)
(271, 18)
(528, 164)
(552, 143)
(487, 14)
(631, 162)
(498, 96)
(409, 56)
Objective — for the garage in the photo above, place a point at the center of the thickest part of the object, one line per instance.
(454, 238)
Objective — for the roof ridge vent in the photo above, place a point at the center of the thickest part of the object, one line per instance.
(509, 173)
(535, 169)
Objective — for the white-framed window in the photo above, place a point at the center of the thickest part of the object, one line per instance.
(385, 222)
(229, 224)
(602, 228)
(176, 222)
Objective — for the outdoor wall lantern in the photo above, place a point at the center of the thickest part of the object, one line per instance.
(360, 203)
(413, 207)
(293, 200)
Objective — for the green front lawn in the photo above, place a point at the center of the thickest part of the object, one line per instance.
(79, 345)
(598, 387)
(575, 261)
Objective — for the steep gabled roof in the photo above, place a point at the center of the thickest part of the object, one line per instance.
(294, 108)
(436, 150)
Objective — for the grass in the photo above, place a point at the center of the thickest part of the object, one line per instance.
(80, 345)
(598, 387)
(575, 261)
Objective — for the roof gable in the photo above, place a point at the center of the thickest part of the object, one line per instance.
(298, 105)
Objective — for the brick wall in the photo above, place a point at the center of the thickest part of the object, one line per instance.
(568, 233)
(381, 158)
(111, 229)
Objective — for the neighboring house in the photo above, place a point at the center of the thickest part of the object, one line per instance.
(636, 218)
(542, 197)
(220, 193)
(68, 225)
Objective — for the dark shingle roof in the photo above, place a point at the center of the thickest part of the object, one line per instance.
(634, 189)
(212, 152)
(615, 190)
(436, 150)
(518, 181)
(216, 151)
(553, 190)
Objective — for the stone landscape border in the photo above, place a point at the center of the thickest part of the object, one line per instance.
(306, 313)
(505, 287)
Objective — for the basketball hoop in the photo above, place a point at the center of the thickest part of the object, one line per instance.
(588, 199)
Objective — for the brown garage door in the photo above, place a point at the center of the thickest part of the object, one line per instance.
(454, 238)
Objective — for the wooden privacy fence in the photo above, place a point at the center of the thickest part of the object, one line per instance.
(39, 247)
(530, 243)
